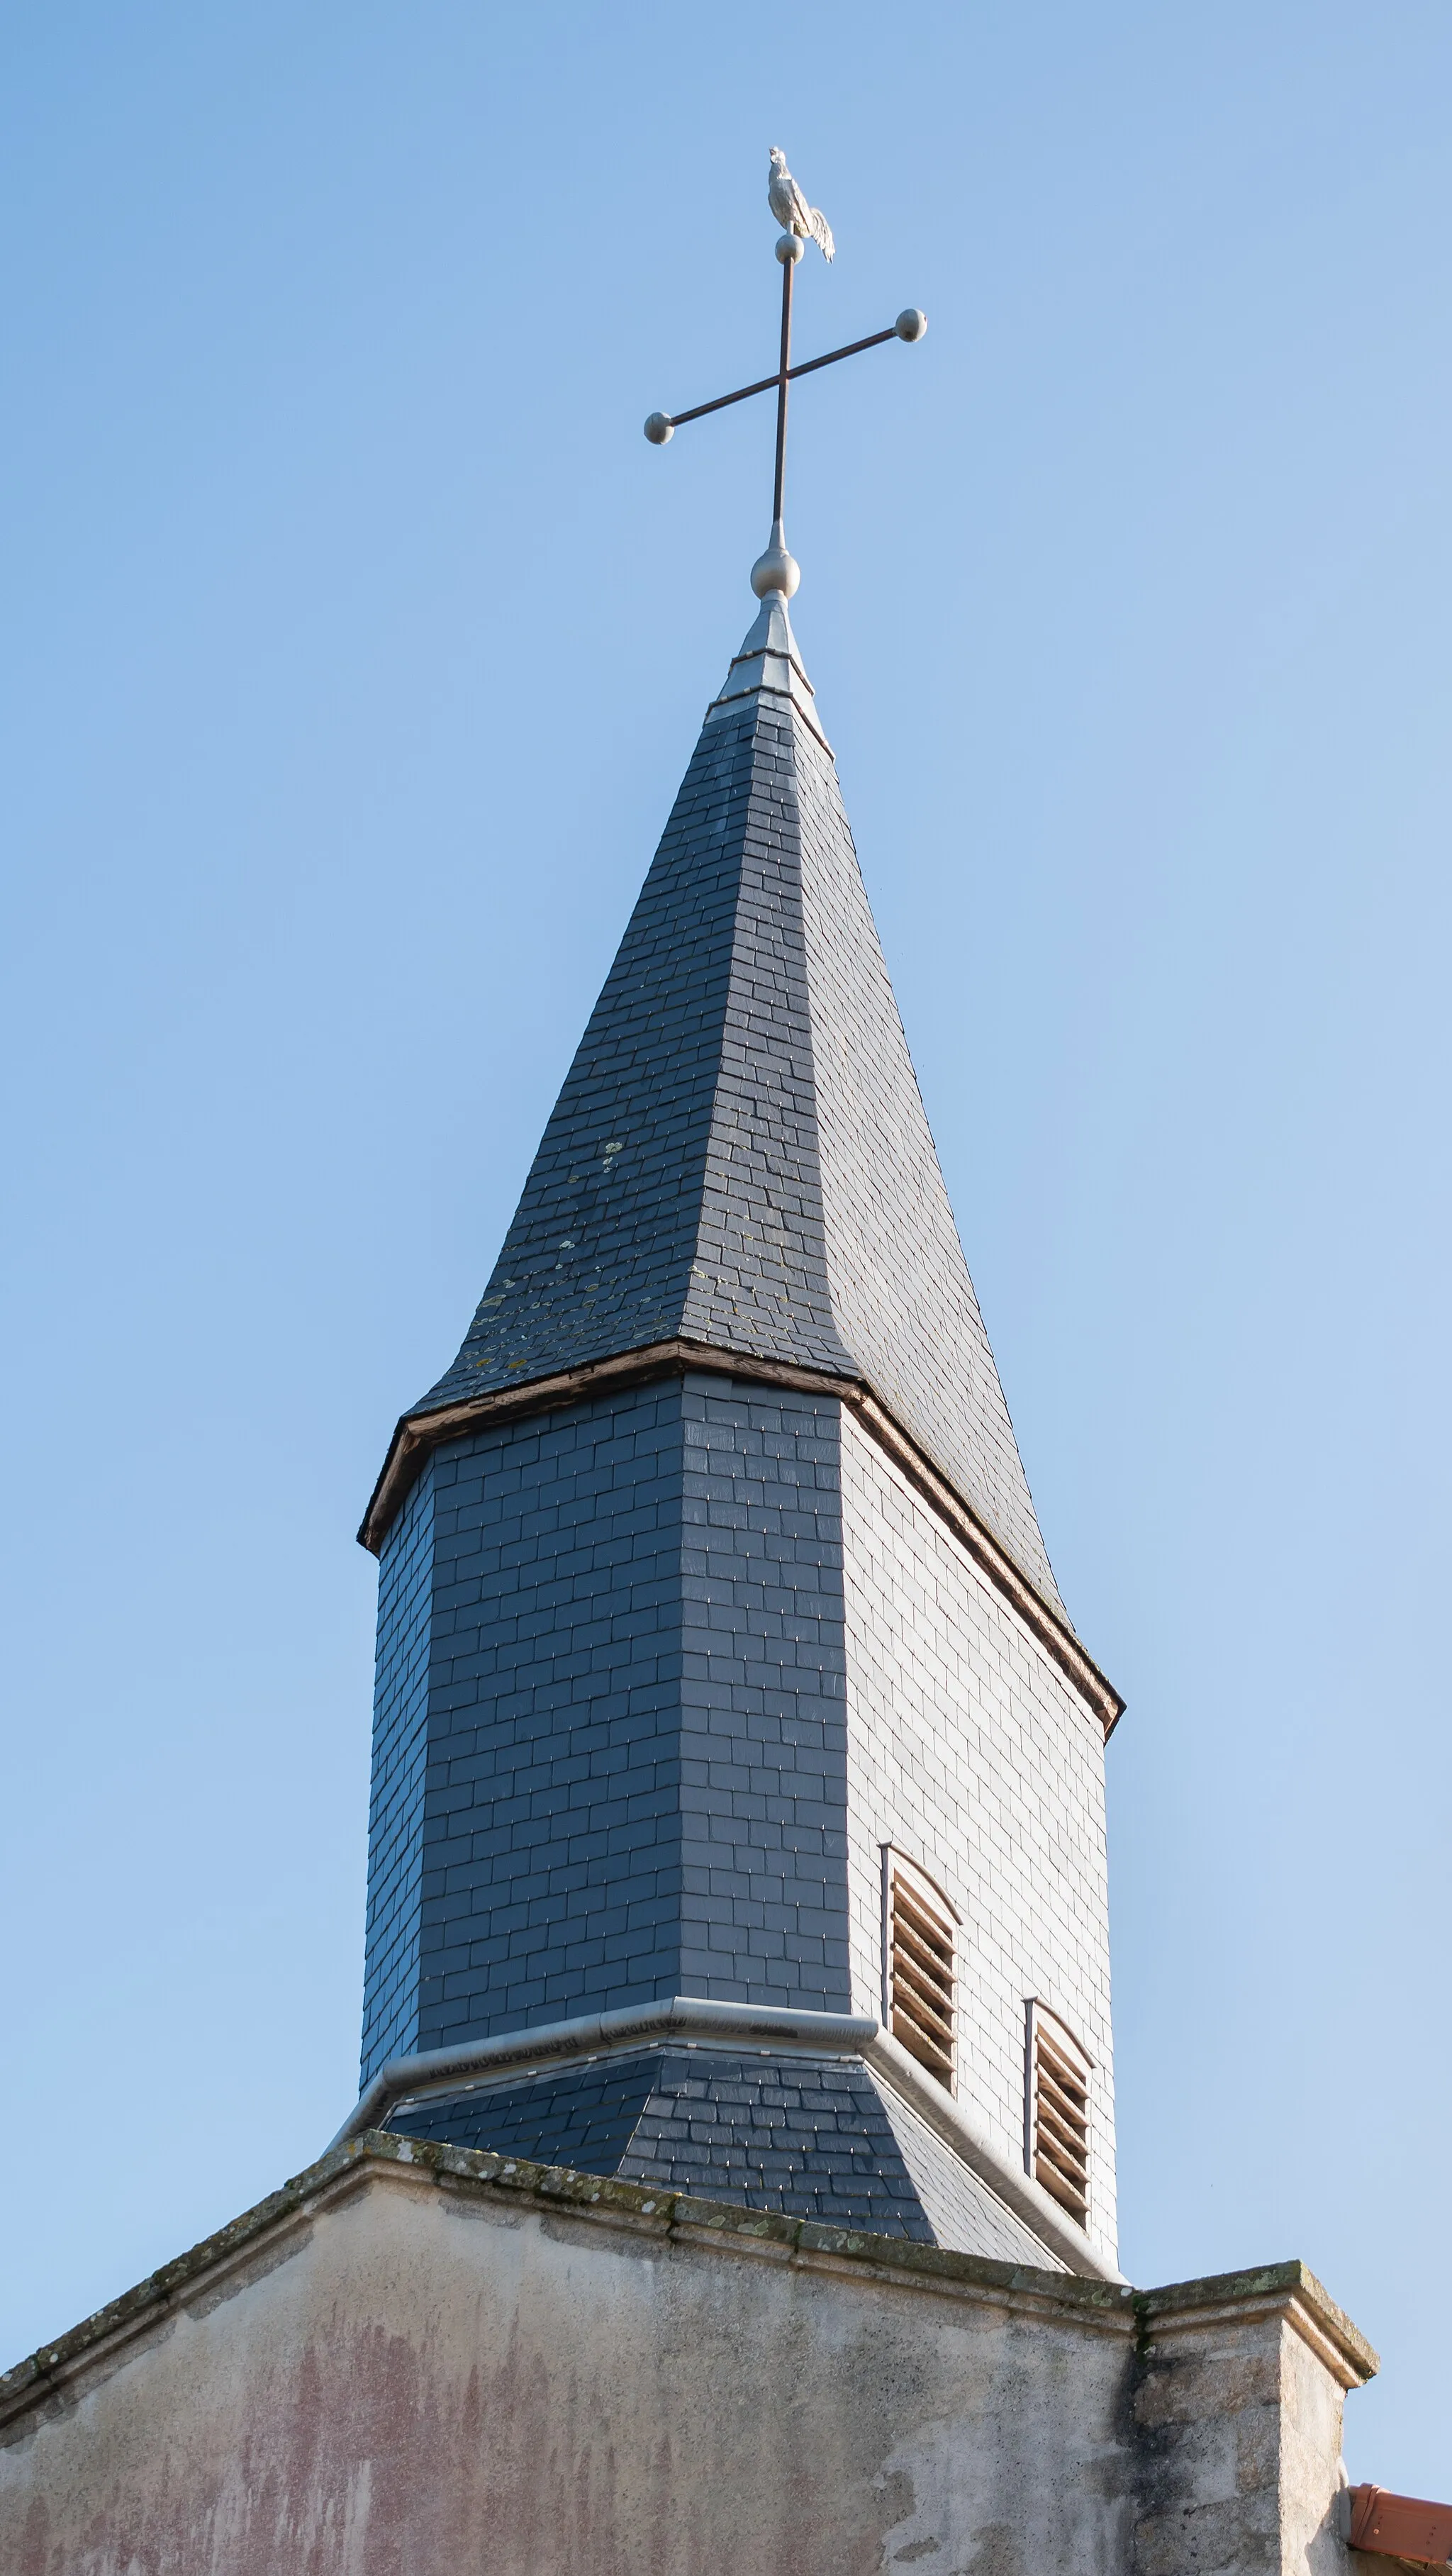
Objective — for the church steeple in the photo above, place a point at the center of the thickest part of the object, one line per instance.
(738, 1803)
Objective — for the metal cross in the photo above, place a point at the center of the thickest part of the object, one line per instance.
(775, 570)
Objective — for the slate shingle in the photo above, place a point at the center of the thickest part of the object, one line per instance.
(740, 1154)
(818, 2139)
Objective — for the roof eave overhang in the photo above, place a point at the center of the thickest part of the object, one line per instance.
(418, 1434)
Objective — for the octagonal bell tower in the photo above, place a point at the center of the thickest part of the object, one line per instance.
(737, 1818)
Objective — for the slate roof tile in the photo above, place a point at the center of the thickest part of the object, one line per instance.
(740, 1154)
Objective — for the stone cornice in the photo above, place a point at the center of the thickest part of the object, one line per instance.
(1289, 2290)
(419, 1433)
(49, 2376)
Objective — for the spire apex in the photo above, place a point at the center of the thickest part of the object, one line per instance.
(769, 660)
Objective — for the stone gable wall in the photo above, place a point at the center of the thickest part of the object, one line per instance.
(414, 2361)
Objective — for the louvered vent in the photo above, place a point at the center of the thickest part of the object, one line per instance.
(919, 1947)
(1058, 2111)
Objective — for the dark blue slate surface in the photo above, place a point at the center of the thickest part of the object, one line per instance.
(770, 2133)
(635, 1777)
(817, 2138)
(396, 1803)
(740, 1154)
(552, 1807)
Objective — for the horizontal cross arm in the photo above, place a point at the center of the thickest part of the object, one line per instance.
(874, 339)
(765, 384)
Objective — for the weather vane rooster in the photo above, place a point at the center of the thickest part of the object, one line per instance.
(791, 208)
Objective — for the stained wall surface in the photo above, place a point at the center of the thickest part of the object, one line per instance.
(969, 1750)
(416, 2374)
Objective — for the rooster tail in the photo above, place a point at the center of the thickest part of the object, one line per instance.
(822, 233)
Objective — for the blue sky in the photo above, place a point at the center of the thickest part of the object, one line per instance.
(356, 643)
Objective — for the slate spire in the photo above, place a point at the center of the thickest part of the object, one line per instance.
(739, 1158)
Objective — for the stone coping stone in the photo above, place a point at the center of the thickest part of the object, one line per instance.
(674, 2216)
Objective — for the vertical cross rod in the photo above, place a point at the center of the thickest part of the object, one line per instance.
(783, 373)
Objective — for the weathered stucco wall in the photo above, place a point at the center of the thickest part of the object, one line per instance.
(421, 2362)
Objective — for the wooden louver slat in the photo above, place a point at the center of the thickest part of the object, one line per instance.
(1059, 2113)
(920, 1958)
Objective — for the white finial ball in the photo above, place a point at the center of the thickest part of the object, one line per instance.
(911, 325)
(659, 428)
(776, 570)
(789, 248)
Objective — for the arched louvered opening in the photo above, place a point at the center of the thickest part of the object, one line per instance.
(1057, 2110)
(919, 1943)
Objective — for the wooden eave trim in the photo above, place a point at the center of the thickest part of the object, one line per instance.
(1052, 1632)
(419, 1433)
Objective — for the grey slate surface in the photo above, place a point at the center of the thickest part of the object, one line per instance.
(400, 1761)
(630, 1777)
(819, 2139)
(740, 1154)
